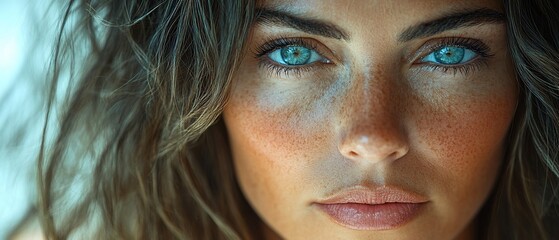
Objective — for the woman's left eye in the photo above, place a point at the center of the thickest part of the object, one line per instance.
(450, 55)
(295, 55)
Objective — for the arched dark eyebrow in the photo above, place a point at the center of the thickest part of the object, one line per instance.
(311, 26)
(452, 21)
(330, 30)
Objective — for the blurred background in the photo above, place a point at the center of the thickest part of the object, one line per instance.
(26, 30)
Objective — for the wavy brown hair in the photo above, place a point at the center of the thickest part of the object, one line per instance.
(140, 151)
(525, 204)
(134, 155)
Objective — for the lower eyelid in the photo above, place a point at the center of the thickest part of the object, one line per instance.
(465, 68)
(286, 71)
(274, 70)
(268, 61)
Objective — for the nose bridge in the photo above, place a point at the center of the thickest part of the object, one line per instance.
(371, 125)
(372, 97)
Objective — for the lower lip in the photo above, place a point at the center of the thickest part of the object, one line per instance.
(372, 216)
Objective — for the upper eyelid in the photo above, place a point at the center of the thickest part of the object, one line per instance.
(276, 43)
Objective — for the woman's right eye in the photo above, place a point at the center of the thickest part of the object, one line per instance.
(295, 55)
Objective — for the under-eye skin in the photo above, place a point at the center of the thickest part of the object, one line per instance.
(460, 55)
(287, 56)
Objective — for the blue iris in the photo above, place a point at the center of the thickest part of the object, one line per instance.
(295, 55)
(450, 55)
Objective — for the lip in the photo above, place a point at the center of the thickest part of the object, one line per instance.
(381, 208)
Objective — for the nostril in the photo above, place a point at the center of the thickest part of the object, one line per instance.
(373, 144)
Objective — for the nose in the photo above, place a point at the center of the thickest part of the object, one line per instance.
(372, 125)
(373, 145)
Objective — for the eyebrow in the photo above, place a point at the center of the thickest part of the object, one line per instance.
(327, 29)
(452, 21)
(312, 26)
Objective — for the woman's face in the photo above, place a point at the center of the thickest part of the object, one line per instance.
(372, 119)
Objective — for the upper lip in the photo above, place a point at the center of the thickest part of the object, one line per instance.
(377, 195)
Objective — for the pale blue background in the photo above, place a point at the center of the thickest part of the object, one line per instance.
(22, 61)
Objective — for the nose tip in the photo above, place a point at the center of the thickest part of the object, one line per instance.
(377, 148)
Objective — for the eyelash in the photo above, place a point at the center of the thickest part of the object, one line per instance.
(478, 47)
(262, 51)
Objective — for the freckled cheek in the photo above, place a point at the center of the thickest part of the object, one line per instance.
(271, 133)
(271, 142)
(467, 139)
(466, 132)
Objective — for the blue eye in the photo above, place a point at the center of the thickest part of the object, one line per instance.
(450, 55)
(294, 55)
